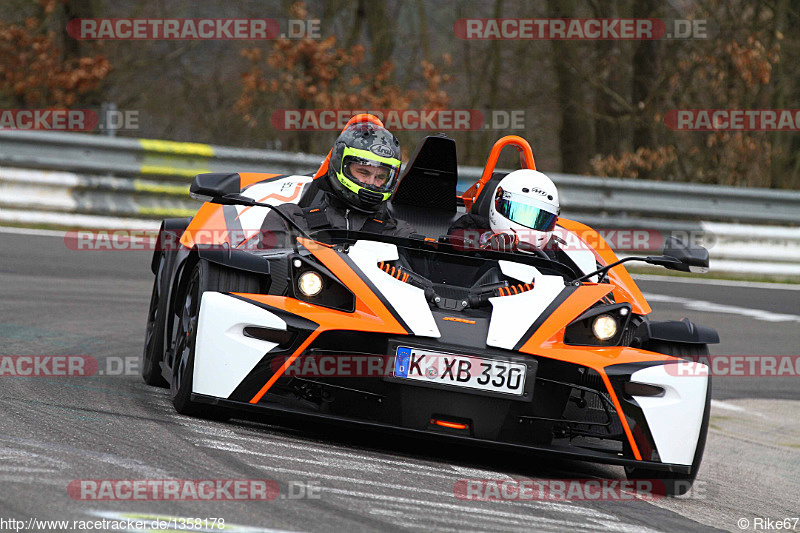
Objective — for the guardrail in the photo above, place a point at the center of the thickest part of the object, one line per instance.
(144, 158)
(158, 166)
(82, 180)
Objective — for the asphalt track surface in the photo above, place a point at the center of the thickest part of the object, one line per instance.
(112, 426)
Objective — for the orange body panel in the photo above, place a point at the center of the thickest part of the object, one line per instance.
(249, 178)
(328, 319)
(580, 300)
(370, 314)
(545, 343)
(621, 415)
(207, 227)
(366, 300)
(283, 367)
(625, 289)
(597, 359)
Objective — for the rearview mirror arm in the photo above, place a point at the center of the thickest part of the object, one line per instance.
(238, 199)
(653, 260)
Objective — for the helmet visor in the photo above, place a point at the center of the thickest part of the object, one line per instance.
(374, 173)
(525, 211)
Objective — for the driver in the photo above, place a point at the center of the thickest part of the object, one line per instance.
(522, 214)
(362, 175)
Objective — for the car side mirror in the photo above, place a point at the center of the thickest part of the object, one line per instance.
(213, 186)
(686, 258)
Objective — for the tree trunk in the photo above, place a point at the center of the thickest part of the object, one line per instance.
(575, 135)
(355, 30)
(646, 72)
(613, 129)
(381, 28)
(74, 9)
(423, 30)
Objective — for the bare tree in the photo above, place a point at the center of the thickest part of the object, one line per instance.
(576, 134)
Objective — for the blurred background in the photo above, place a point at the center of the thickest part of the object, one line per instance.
(590, 107)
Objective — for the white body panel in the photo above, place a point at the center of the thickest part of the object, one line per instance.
(675, 418)
(286, 190)
(224, 355)
(407, 300)
(584, 259)
(383, 251)
(518, 271)
(513, 315)
(283, 191)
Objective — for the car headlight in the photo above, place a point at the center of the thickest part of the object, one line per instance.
(309, 283)
(604, 327)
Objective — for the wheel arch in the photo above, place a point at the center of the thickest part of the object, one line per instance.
(683, 331)
(168, 240)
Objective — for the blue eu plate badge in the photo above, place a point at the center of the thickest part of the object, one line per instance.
(401, 362)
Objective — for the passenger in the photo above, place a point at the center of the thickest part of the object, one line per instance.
(522, 215)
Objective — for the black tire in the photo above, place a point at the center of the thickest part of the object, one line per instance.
(675, 484)
(153, 352)
(205, 277)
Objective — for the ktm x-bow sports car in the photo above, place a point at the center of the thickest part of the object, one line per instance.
(552, 354)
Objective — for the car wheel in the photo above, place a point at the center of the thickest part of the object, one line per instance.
(153, 352)
(675, 484)
(205, 277)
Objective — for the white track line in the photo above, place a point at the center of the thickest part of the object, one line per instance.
(723, 405)
(272, 440)
(465, 507)
(31, 231)
(711, 307)
(557, 506)
(720, 282)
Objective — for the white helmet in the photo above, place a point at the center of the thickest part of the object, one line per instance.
(525, 204)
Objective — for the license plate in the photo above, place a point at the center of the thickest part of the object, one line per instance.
(467, 371)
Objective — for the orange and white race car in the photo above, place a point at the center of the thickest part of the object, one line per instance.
(426, 336)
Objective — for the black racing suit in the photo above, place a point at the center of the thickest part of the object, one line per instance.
(329, 212)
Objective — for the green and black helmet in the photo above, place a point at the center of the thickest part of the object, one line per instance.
(364, 165)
